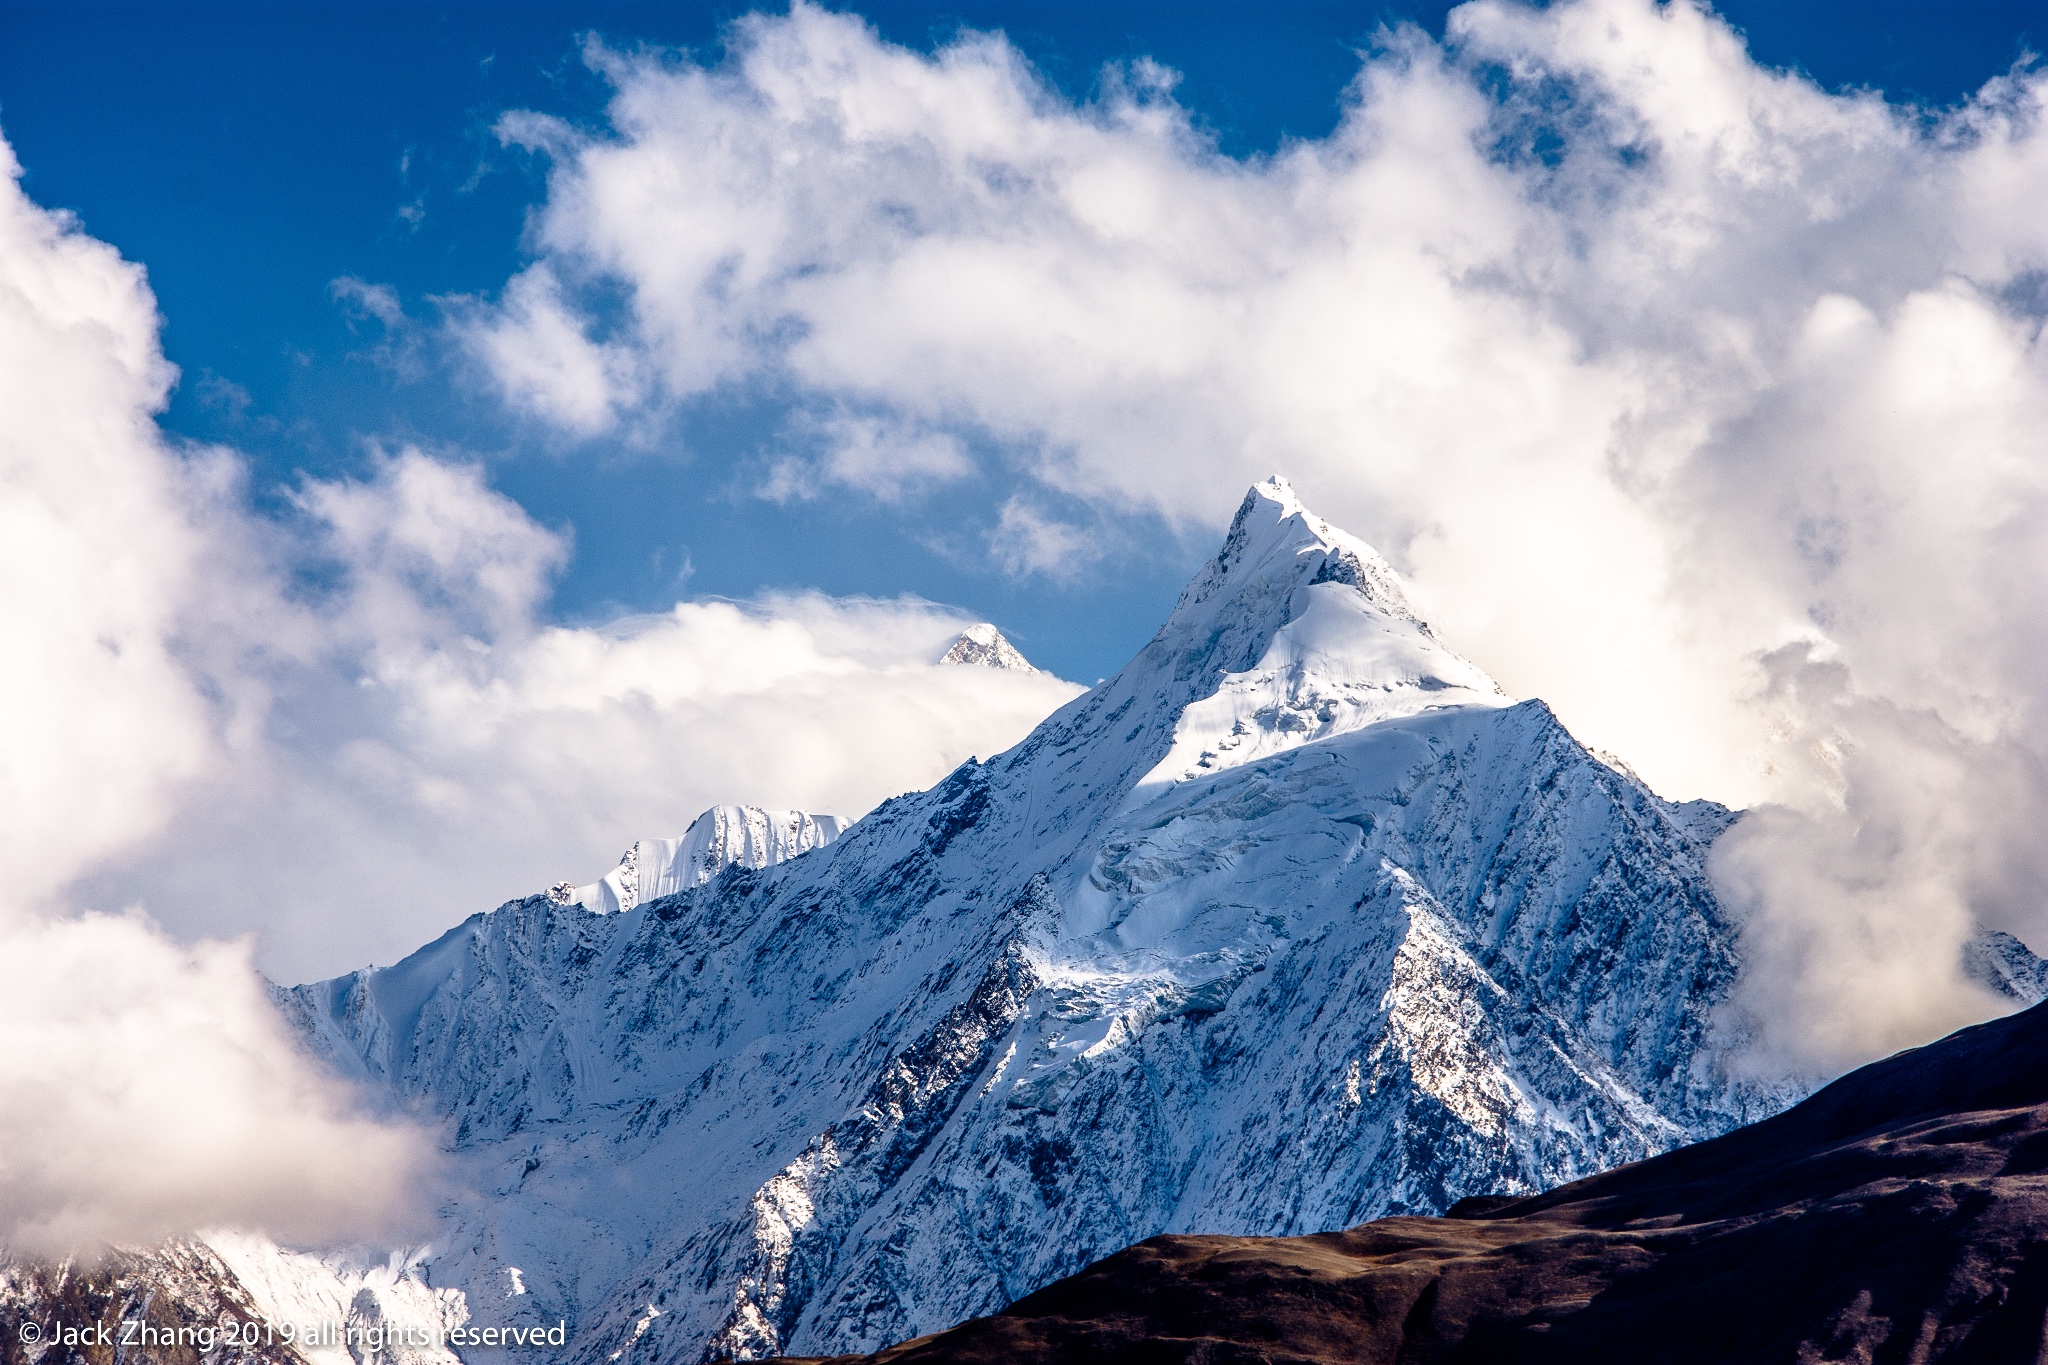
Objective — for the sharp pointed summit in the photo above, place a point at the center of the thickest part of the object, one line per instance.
(1306, 633)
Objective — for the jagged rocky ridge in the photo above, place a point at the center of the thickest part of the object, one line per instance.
(178, 1304)
(1898, 1215)
(1295, 922)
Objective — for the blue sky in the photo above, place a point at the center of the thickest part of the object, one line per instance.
(249, 154)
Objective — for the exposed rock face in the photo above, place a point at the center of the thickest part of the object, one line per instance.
(1295, 922)
(2007, 966)
(174, 1305)
(983, 646)
(1899, 1214)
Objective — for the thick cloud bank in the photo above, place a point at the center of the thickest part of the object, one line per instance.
(1704, 403)
(435, 748)
(148, 1087)
(349, 727)
(152, 1090)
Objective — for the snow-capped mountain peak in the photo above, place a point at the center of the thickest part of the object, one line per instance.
(1271, 531)
(983, 646)
(1293, 633)
(1342, 647)
(722, 837)
(1294, 921)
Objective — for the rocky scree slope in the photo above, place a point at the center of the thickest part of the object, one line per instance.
(1295, 922)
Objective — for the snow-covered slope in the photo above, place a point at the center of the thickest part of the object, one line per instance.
(1295, 921)
(383, 1299)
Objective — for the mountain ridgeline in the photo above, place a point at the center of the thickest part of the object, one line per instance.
(1295, 922)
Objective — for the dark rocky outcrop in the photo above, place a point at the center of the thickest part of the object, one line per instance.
(177, 1304)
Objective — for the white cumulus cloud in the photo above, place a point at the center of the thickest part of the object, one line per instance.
(149, 1086)
(1646, 362)
(444, 748)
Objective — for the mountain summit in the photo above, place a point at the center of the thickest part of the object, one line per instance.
(1294, 922)
(1273, 663)
(984, 646)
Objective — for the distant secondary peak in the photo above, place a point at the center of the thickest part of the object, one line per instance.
(722, 837)
(983, 646)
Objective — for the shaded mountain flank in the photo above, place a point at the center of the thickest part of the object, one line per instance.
(1900, 1214)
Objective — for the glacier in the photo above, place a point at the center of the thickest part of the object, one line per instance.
(1296, 921)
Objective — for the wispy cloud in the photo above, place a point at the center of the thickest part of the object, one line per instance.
(885, 457)
(1027, 541)
(365, 300)
(401, 345)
